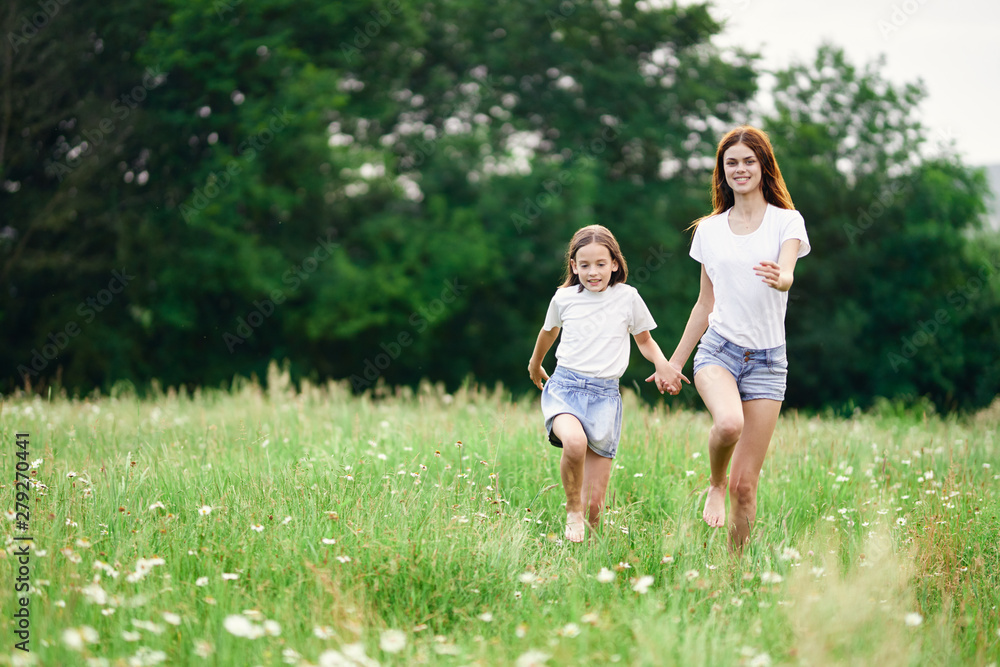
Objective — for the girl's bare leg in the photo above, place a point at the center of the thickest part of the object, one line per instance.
(571, 467)
(596, 475)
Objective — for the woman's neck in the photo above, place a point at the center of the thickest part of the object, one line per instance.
(750, 204)
(747, 213)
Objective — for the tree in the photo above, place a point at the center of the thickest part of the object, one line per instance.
(72, 176)
(349, 183)
(889, 303)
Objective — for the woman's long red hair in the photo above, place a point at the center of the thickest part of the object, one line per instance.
(772, 184)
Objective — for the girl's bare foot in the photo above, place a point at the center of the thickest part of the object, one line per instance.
(574, 526)
(715, 506)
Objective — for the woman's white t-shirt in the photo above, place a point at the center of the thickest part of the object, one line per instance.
(747, 312)
(595, 328)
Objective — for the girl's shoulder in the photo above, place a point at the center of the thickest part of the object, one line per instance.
(623, 290)
(565, 294)
(573, 294)
(622, 293)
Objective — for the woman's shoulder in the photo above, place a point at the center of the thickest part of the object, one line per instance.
(714, 222)
(784, 215)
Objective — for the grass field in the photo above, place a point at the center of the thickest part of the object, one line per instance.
(305, 526)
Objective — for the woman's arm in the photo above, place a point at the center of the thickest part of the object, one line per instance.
(779, 275)
(542, 345)
(697, 322)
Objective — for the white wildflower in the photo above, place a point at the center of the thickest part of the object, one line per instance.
(240, 626)
(642, 584)
(569, 630)
(392, 641)
(77, 638)
(532, 658)
(143, 567)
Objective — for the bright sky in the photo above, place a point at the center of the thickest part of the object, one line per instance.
(953, 46)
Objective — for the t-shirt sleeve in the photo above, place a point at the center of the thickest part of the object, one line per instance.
(553, 318)
(795, 228)
(696, 245)
(641, 319)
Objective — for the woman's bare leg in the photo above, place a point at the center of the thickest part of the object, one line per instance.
(759, 419)
(718, 390)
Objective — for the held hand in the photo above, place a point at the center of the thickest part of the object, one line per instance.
(673, 378)
(772, 275)
(668, 378)
(538, 375)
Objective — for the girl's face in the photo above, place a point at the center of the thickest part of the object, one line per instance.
(742, 169)
(594, 266)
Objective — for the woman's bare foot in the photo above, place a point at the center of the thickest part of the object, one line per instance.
(574, 526)
(715, 506)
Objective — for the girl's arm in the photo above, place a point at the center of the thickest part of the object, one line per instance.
(779, 274)
(542, 345)
(666, 376)
(697, 322)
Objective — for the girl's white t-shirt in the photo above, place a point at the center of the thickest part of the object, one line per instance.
(747, 312)
(595, 328)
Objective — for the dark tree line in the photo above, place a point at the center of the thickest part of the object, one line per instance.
(382, 192)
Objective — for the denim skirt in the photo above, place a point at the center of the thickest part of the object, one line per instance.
(596, 402)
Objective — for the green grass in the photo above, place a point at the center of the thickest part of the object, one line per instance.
(459, 547)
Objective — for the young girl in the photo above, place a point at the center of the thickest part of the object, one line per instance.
(582, 406)
(748, 247)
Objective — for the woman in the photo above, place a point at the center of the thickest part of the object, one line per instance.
(748, 247)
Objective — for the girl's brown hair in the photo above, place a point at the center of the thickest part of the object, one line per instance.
(595, 234)
(772, 184)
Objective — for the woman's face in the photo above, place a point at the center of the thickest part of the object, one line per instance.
(742, 169)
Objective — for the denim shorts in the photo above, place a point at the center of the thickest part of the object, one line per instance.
(596, 402)
(758, 373)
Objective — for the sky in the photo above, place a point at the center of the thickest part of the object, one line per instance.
(954, 47)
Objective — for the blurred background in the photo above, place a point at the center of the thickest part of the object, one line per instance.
(382, 192)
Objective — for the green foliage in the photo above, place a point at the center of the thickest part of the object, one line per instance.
(384, 193)
(894, 299)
